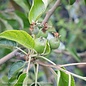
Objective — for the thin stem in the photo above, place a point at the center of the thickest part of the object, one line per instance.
(61, 69)
(52, 70)
(69, 84)
(47, 60)
(58, 77)
(72, 64)
(36, 73)
(21, 50)
(28, 66)
(34, 55)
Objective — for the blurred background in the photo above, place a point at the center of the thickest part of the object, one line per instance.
(68, 20)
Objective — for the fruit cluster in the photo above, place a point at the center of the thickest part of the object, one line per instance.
(40, 37)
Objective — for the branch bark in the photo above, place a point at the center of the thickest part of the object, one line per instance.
(61, 69)
(50, 12)
(7, 57)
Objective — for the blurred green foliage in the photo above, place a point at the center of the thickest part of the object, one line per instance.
(69, 21)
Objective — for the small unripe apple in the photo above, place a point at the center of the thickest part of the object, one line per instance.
(54, 43)
(40, 44)
(42, 34)
(35, 31)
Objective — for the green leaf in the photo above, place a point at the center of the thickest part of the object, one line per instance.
(11, 21)
(15, 68)
(71, 2)
(65, 79)
(22, 3)
(74, 54)
(85, 1)
(25, 82)
(19, 36)
(11, 80)
(6, 24)
(7, 44)
(24, 18)
(20, 79)
(63, 33)
(38, 7)
(4, 51)
(71, 38)
(46, 2)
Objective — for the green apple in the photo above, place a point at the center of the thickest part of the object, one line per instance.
(40, 44)
(54, 43)
(42, 34)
